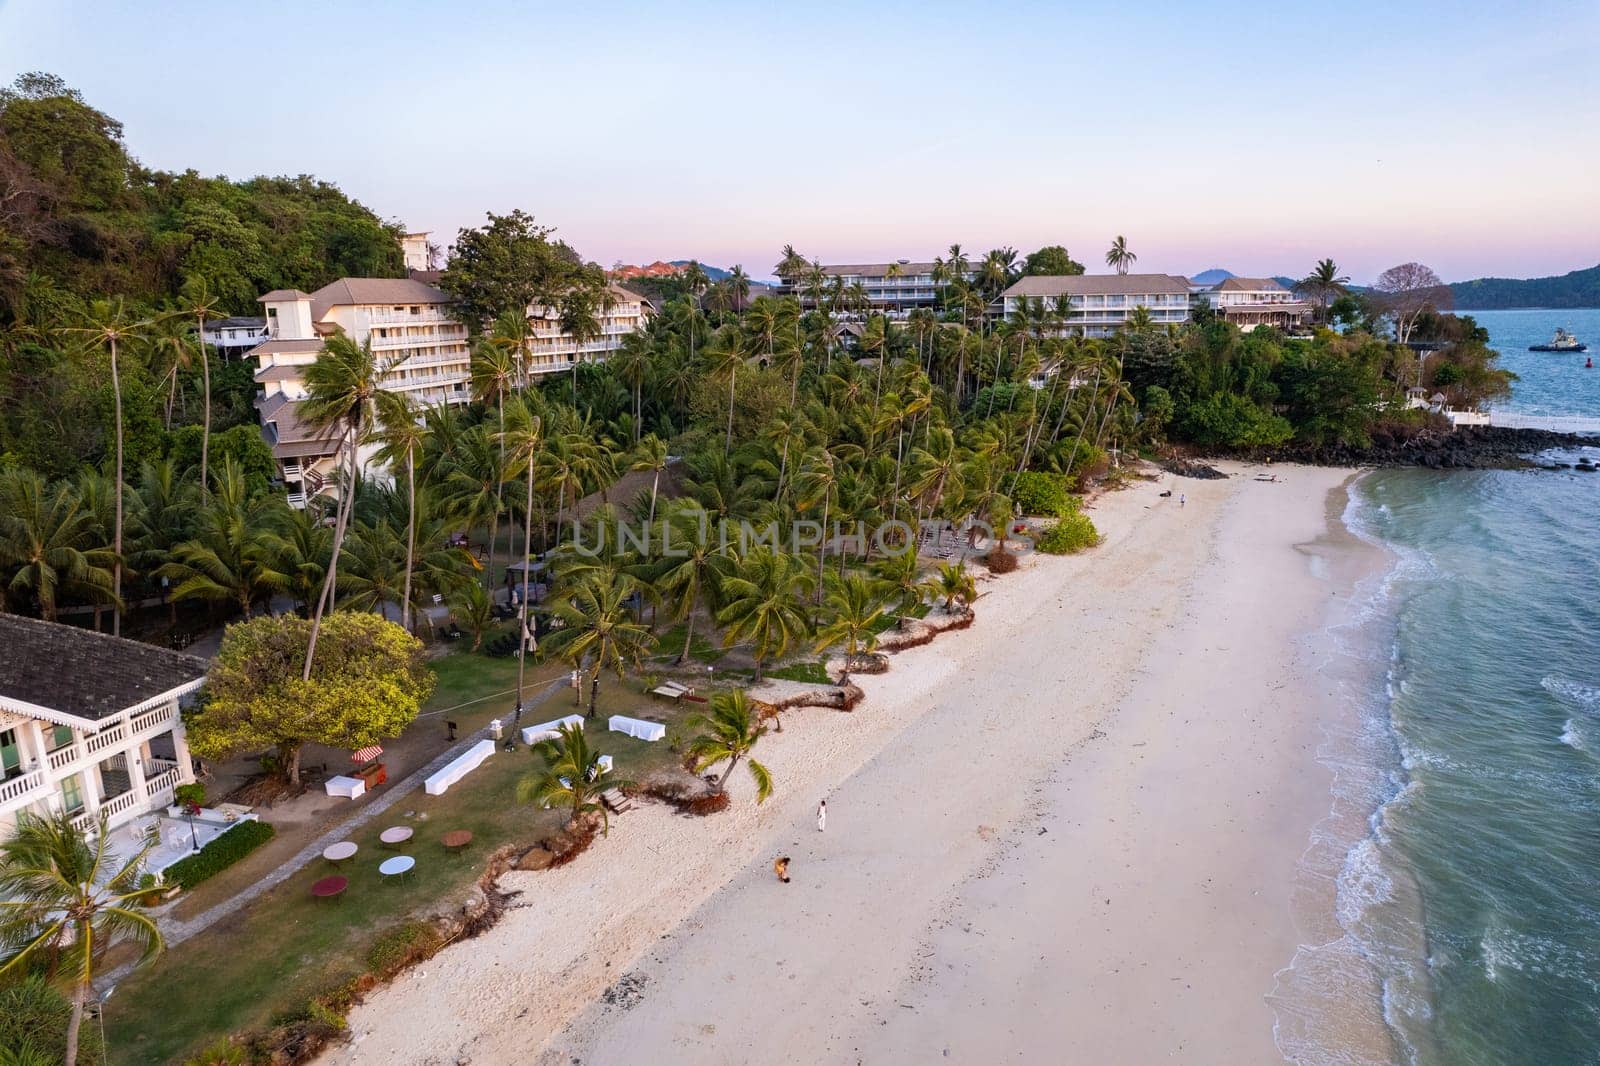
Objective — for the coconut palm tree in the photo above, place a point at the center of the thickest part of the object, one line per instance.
(110, 324)
(402, 436)
(1118, 257)
(65, 901)
(762, 604)
(687, 577)
(727, 355)
(1324, 282)
(631, 364)
(197, 302)
(598, 626)
(580, 320)
(523, 441)
(474, 610)
(48, 536)
(955, 584)
(1139, 320)
(474, 486)
(300, 542)
(233, 557)
(342, 386)
(738, 287)
(651, 455)
(572, 777)
(727, 734)
(854, 607)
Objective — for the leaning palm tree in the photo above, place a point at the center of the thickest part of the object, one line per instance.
(598, 627)
(48, 537)
(1324, 282)
(651, 454)
(341, 388)
(109, 323)
(854, 607)
(1118, 257)
(65, 900)
(573, 777)
(763, 604)
(728, 733)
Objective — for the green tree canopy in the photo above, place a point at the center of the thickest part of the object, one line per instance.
(1051, 259)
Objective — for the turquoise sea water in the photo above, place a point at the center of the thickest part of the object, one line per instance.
(1473, 895)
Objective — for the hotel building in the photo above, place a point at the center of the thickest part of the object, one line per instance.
(1252, 302)
(893, 289)
(1101, 303)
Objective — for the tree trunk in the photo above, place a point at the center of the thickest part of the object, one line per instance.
(527, 552)
(727, 445)
(289, 758)
(688, 638)
(722, 782)
(205, 432)
(325, 601)
(411, 538)
(655, 484)
(80, 993)
(116, 546)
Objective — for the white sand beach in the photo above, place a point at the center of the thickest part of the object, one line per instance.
(1067, 834)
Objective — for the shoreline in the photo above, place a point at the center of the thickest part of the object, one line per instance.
(963, 784)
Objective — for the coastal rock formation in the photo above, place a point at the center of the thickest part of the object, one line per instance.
(1468, 448)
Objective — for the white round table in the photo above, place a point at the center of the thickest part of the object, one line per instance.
(396, 835)
(397, 866)
(337, 853)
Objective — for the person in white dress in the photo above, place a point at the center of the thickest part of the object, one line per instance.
(822, 816)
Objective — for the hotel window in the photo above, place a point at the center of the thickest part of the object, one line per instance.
(60, 737)
(71, 794)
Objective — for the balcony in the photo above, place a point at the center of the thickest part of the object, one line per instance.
(406, 318)
(22, 789)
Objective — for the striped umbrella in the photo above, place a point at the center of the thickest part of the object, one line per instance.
(366, 754)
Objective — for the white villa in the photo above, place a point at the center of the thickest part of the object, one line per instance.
(234, 337)
(414, 335)
(1252, 302)
(1101, 303)
(89, 723)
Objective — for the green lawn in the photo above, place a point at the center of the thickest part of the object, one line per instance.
(285, 947)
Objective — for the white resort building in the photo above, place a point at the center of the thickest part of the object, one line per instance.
(1101, 303)
(1252, 302)
(89, 723)
(423, 348)
(893, 289)
(233, 337)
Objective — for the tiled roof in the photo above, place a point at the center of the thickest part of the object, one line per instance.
(878, 270)
(1099, 285)
(357, 291)
(82, 673)
(280, 295)
(1250, 285)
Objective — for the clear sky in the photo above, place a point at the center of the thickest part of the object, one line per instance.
(1257, 137)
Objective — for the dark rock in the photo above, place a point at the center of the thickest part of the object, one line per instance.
(1468, 448)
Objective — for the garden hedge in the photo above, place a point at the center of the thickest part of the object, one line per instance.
(220, 854)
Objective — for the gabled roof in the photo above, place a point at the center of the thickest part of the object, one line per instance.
(1250, 285)
(357, 291)
(281, 295)
(877, 270)
(52, 671)
(1099, 285)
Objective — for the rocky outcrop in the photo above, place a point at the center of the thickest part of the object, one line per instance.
(1468, 448)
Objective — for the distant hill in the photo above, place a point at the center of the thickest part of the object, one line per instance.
(1580, 288)
(1212, 276)
(714, 273)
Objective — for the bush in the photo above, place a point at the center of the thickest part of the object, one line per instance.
(1037, 493)
(1073, 533)
(1000, 561)
(399, 947)
(220, 854)
(193, 793)
(34, 1015)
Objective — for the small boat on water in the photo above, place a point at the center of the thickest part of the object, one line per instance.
(1561, 342)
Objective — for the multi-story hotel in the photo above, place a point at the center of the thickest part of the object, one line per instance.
(893, 289)
(89, 725)
(1252, 302)
(422, 348)
(1101, 303)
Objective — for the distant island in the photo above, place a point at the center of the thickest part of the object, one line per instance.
(1580, 288)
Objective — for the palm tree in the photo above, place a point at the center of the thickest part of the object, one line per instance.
(403, 436)
(233, 558)
(109, 324)
(1118, 257)
(631, 364)
(573, 777)
(738, 287)
(854, 607)
(763, 600)
(299, 540)
(955, 583)
(473, 609)
(474, 485)
(727, 356)
(727, 734)
(1324, 282)
(1139, 320)
(598, 626)
(48, 536)
(65, 900)
(524, 438)
(341, 388)
(580, 320)
(651, 454)
(687, 577)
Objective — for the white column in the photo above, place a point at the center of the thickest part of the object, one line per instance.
(180, 750)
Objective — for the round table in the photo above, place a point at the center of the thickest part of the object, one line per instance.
(337, 853)
(330, 887)
(456, 840)
(395, 835)
(398, 866)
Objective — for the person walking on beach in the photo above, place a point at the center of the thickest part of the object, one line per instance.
(781, 868)
(1182, 499)
(822, 816)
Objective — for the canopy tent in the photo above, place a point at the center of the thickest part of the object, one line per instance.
(366, 754)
